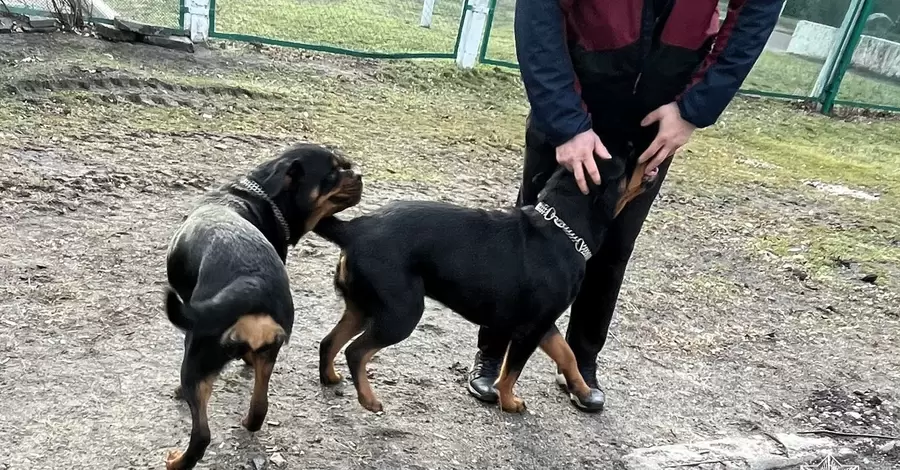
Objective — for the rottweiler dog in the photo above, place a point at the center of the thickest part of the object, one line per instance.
(517, 269)
(228, 286)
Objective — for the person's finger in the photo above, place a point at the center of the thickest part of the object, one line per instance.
(591, 166)
(658, 159)
(579, 177)
(651, 150)
(600, 149)
(651, 118)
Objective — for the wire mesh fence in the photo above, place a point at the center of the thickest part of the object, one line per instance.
(804, 57)
(388, 28)
(873, 78)
(155, 12)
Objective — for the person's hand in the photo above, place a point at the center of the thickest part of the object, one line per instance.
(673, 133)
(577, 155)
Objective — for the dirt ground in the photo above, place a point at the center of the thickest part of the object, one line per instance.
(96, 170)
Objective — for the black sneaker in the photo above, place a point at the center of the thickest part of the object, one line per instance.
(482, 377)
(593, 402)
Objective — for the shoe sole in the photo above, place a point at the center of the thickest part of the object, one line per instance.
(480, 397)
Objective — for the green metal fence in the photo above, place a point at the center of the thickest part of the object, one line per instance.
(366, 28)
(834, 52)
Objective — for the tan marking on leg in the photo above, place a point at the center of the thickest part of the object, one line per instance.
(559, 350)
(364, 393)
(255, 330)
(342, 268)
(200, 423)
(259, 401)
(350, 325)
(631, 188)
(509, 402)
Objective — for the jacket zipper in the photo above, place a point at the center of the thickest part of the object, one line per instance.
(645, 51)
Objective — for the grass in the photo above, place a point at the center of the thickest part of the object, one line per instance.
(365, 25)
(385, 26)
(411, 121)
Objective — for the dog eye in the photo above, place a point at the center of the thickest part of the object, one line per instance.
(330, 179)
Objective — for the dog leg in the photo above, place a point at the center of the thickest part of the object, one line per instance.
(359, 353)
(197, 394)
(555, 346)
(517, 354)
(263, 364)
(350, 325)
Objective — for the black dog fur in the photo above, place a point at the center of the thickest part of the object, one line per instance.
(228, 287)
(513, 269)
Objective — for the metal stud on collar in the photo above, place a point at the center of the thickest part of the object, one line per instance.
(254, 188)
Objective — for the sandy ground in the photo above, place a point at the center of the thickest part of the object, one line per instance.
(709, 340)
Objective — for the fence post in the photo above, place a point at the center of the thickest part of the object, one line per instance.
(427, 11)
(472, 30)
(826, 73)
(845, 60)
(198, 19)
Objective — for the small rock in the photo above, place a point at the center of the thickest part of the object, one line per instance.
(889, 447)
(111, 33)
(146, 29)
(277, 459)
(274, 423)
(171, 42)
(6, 25)
(259, 463)
(870, 278)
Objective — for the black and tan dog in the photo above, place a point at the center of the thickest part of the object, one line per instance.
(229, 289)
(515, 269)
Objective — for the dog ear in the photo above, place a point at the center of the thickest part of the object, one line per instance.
(283, 176)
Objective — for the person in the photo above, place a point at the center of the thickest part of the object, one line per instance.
(626, 77)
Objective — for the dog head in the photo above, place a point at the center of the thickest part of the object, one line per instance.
(627, 176)
(309, 182)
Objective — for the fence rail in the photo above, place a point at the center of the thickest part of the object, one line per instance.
(831, 52)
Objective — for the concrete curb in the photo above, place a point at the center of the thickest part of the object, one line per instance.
(761, 452)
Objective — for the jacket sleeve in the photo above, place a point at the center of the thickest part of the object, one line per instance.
(738, 45)
(547, 73)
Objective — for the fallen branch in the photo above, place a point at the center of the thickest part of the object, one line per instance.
(696, 464)
(850, 434)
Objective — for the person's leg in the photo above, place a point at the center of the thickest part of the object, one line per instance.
(540, 162)
(593, 309)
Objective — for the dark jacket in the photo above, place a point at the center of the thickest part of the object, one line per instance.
(607, 63)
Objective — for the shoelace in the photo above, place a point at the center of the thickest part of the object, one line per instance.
(486, 367)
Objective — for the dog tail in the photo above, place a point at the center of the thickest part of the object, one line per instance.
(334, 230)
(219, 312)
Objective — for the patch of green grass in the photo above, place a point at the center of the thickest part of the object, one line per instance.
(797, 147)
(365, 25)
(155, 12)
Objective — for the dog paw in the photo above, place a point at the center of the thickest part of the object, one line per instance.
(372, 405)
(173, 460)
(251, 425)
(513, 405)
(178, 393)
(331, 378)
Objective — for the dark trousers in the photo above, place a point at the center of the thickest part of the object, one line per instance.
(592, 311)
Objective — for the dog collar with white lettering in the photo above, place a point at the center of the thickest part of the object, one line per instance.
(254, 188)
(549, 214)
